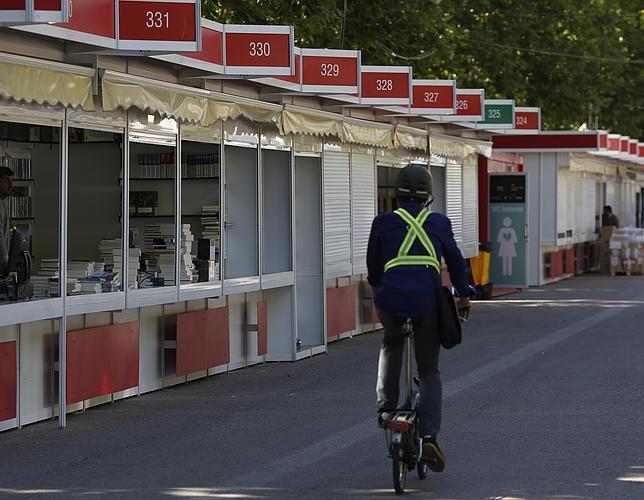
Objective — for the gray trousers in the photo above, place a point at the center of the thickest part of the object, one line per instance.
(426, 349)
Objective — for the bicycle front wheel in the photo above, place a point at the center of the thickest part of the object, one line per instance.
(399, 469)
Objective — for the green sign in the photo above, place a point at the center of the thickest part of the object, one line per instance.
(499, 112)
(507, 230)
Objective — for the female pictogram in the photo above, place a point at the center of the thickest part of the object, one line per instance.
(507, 239)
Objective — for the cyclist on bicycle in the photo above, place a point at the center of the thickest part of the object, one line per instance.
(403, 260)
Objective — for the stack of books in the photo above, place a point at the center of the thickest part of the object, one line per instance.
(100, 282)
(134, 264)
(210, 223)
(40, 281)
(186, 266)
(106, 249)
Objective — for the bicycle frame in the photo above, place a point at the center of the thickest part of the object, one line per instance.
(401, 430)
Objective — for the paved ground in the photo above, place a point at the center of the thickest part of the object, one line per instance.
(544, 400)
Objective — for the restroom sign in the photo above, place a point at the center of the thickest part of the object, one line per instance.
(508, 230)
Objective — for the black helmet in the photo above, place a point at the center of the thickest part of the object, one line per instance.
(414, 181)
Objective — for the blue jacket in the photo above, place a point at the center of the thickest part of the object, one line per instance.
(411, 290)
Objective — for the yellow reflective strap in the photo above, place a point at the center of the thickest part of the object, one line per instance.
(411, 235)
(413, 260)
(415, 231)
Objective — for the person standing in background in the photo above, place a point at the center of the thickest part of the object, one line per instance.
(608, 217)
(6, 190)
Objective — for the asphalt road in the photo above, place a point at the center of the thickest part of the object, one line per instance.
(544, 400)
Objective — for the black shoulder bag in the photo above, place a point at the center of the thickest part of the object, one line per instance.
(449, 323)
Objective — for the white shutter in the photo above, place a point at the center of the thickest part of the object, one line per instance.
(454, 201)
(562, 205)
(337, 215)
(588, 227)
(470, 208)
(363, 201)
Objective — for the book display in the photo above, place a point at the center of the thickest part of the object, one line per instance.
(32, 207)
(200, 210)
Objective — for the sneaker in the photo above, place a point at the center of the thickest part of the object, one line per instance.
(432, 454)
(383, 417)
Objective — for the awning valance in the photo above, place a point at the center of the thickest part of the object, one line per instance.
(446, 147)
(310, 123)
(457, 148)
(408, 138)
(23, 82)
(358, 133)
(172, 101)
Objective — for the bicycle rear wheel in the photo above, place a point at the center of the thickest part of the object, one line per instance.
(399, 469)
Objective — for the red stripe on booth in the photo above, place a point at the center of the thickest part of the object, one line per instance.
(202, 340)
(262, 328)
(546, 141)
(8, 381)
(340, 310)
(102, 360)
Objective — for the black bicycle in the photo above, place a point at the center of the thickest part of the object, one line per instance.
(401, 427)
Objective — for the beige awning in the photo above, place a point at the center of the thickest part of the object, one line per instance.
(362, 133)
(310, 123)
(408, 138)
(446, 147)
(22, 81)
(172, 101)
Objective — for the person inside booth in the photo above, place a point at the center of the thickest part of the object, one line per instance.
(608, 217)
(6, 190)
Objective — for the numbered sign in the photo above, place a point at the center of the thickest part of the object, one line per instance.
(433, 97)
(613, 142)
(498, 114)
(91, 22)
(211, 56)
(331, 71)
(385, 85)
(640, 150)
(623, 144)
(259, 50)
(33, 11)
(169, 25)
(469, 105)
(632, 147)
(527, 118)
(603, 139)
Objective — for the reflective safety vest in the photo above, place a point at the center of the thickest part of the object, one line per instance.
(415, 231)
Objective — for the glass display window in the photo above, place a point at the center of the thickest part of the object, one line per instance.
(153, 232)
(241, 220)
(94, 222)
(277, 189)
(30, 202)
(200, 257)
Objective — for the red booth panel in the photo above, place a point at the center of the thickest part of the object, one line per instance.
(341, 310)
(8, 387)
(556, 261)
(102, 360)
(202, 340)
(262, 328)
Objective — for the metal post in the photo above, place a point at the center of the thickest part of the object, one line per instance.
(62, 273)
(177, 208)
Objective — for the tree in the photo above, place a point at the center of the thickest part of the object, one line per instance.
(578, 60)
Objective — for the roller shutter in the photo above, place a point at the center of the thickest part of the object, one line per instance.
(337, 214)
(454, 201)
(363, 209)
(470, 208)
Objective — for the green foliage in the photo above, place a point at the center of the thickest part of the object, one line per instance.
(576, 59)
